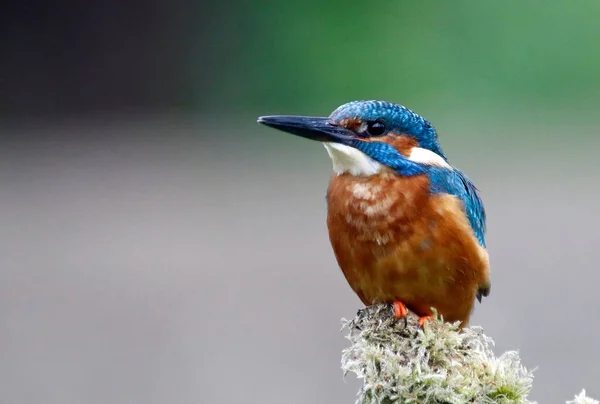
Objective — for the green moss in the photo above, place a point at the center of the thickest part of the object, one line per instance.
(504, 392)
(440, 364)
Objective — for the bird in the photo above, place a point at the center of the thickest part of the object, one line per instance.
(406, 227)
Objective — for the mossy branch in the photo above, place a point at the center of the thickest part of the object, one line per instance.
(437, 364)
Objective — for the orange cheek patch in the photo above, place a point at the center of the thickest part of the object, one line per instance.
(402, 143)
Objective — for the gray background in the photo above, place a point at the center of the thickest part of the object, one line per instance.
(175, 268)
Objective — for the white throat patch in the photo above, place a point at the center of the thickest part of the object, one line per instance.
(347, 159)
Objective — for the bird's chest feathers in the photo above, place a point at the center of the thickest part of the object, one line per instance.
(393, 239)
(377, 209)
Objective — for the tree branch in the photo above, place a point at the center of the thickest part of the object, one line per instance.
(437, 364)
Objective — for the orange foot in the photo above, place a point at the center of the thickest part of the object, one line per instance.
(423, 319)
(400, 311)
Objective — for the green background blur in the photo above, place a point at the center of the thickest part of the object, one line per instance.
(313, 55)
(157, 245)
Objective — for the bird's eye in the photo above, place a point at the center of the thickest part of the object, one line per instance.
(375, 128)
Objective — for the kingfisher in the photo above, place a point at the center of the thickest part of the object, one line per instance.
(407, 228)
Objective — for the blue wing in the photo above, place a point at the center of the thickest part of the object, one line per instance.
(455, 183)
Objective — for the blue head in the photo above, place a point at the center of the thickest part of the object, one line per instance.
(363, 136)
(390, 121)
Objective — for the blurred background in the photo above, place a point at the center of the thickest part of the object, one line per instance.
(158, 246)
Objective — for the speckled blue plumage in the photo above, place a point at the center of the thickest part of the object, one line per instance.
(388, 156)
(442, 180)
(398, 119)
(454, 182)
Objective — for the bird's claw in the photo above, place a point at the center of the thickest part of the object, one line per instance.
(400, 311)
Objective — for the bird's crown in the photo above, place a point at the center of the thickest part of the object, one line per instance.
(376, 120)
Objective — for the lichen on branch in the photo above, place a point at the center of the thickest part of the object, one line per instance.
(440, 363)
(437, 364)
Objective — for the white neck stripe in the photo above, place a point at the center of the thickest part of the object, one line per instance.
(426, 156)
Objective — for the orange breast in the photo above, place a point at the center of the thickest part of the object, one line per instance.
(394, 240)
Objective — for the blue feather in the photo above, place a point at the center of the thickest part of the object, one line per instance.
(387, 155)
(454, 182)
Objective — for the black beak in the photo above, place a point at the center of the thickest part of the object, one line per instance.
(309, 127)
